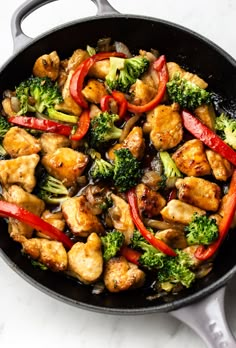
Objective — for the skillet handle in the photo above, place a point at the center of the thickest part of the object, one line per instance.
(104, 8)
(29, 6)
(207, 318)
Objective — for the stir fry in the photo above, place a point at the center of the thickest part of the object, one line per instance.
(115, 168)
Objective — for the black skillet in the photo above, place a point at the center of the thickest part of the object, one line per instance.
(201, 307)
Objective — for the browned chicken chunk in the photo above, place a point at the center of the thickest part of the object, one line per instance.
(165, 126)
(180, 212)
(85, 260)
(7, 107)
(15, 194)
(222, 169)
(19, 171)
(17, 142)
(121, 275)
(47, 65)
(77, 58)
(49, 252)
(50, 142)
(206, 114)
(79, 217)
(142, 92)
(174, 238)
(94, 91)
(191, 159)
(65, 164)
(100, 69)
(174, 69)
(150, 202)
(55, 219)
(199, 192)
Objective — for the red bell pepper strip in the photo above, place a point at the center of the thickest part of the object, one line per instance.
(229, 211)
(160, 66)
(157, 243)
(14, 211)
(40, 124)
(121, 101)
(105, 102)
(208, 137)
(131, 255)
(82, 127)
(77, 79)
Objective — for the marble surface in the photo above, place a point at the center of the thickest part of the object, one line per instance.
(31, 318)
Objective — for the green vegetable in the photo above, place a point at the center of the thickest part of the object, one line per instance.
(52, 190)
(201, 230)
(38, 264)
(171, 172)
(4, 126)
(112, 242)
(186, 93)
(101, 169)
(124, 72)
(3, 153)
(103, 129)
(226, 127)
(127, 170)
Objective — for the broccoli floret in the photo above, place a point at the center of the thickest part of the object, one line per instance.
(101, 169)
(103, 129)
(4, 126)
(186, 93)
(226, 127)
(151, 258)
(112, 242)
(124, 72)
(127, 170)
(201, 230)
(52, 190)
(177, 270)
(170, 170)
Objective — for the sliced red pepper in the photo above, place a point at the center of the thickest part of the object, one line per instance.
(208, 137)
(82, 127)
(105, 102)
(40, 124)
(14, 211)
(160, 66)
(122, 103)
(77, 79)
(157, 243)
(203, 253)
(131, 255)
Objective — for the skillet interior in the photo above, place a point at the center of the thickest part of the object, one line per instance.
(179, 45)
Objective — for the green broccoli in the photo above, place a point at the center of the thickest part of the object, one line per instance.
(112, 242)
(51, 190)
(101, 169)
(124, 72)
(171, 172)
(103, 129)
(127, 170)
(151, 258)
(3, 153)
(4, 126)
(61, 116)
(201, 230)
(177, 270)
(226, 128)
(186, 93)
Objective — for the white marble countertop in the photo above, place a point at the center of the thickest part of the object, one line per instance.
(29, 318)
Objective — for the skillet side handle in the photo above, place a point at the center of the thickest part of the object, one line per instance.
(207, 318)
(29, 6)
(104, 8)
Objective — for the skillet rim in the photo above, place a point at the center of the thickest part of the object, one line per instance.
(166, 307)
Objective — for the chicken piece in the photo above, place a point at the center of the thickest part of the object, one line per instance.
(100, 69)
(7, 107)
(134, 142)
(142, 93)
(165, 126)
(121, 217)
(17, 142)
(47, 65)
(76, 59)
(199, 192)
(68, 105)
(15, 194)
(179, 212)
(152, 179)
(174, 69)
(191, 159)
(222, 169)
(54, 219)
(206, 114)
(150, 202)
(121, 275)
(65, 164)
(79, 217)
(49, 252)
(94, 91)
(85, 260)
(19, 171)
(50, 142)
(174, 238)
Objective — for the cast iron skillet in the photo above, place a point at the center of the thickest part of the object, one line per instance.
(189, 50)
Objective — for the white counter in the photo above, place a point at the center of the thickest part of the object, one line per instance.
(29, 318)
